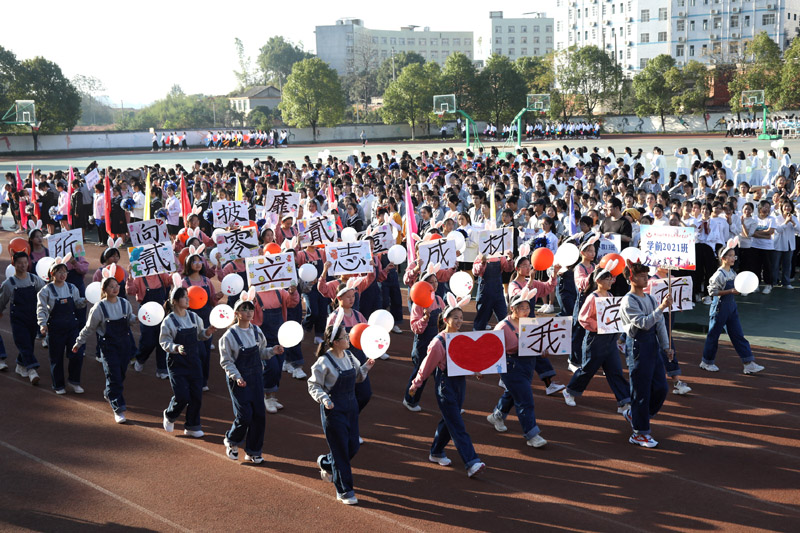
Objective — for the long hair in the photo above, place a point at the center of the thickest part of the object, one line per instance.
(104, 286)
(327, 342)
(177, 295)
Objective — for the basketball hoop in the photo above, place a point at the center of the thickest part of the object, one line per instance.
(35, 127)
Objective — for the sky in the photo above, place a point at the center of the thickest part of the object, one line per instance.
(141, 50)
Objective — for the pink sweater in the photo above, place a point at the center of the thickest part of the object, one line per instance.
(510, 334)
(349, 320)
(588, 314)
(436, 358)
(418, 322)
(135, 287)
(583, 275)
(543, 288)
(269, 300)
(478, 267)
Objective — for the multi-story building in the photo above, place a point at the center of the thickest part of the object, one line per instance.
(521, 37)
(709, 31)
(348, 45)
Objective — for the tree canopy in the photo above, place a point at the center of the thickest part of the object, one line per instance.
(276, 59)
(409, 98)
(312, 96)
(656, 86)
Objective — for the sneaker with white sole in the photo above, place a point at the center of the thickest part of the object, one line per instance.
(569, 399)
(441, 461)
(643, 440)
(707, 300)
(22, 371)
(256, 459)
(360, 440)
(621, 410)
(3, 365)
(269, 405)
(627, 415)
(162, 375)
(286, 367)
(119, 418)
(572, 368)
(298, 373)
(537, 441)
(33, 376)
(412, 408)
(77, 389)
(554, 388)
(231, 450)
(681, 388)
(347, 500)
(475, 469)
(137, 366)
(752, 368)
(396, 329)
(788, 287)
(497, 422)
(169, 426)
(767, 289)
(194, 433)
(323, 474)
(278, 405)
(60, 391)
(710, 367)
(205, 388)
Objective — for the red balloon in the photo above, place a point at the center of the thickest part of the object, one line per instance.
(620, 263)
(432, 237)
(18, 244)
(119, 274)
(422, 294)
(355, 335)
(542, 259)
(182, 236)
(182, 257)
(197, 297)
(272, 248)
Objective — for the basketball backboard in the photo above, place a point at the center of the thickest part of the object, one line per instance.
(444, 103)
(538, 102)
(22, 112)
(752, 98)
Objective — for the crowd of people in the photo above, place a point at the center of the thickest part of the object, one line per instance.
(547, 130)
(744, 218)
(754, 126)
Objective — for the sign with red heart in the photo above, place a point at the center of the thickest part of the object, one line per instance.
(476, 352)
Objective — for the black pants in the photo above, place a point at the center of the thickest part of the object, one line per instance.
(762, 265)
(706, 266)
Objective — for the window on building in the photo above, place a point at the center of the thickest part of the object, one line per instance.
(681, 3)
(445, 41)
(401, 41)
(498, 51)
(374, 40)
(536, 40)
(424, 54)
(467, 42)
(691, 25)
(629, 5)
(705, 24)
(456, 41)
(629, 53)
(510, 51)
(469, 54)
(691, 50)
(747, 21)
(523, 29)
(510, 40)
(734, 21)
(498, 29)
(558, 25)
(704, 50)
(548, 29)
(536, 51)
(662, 36)
(620, 55)
(511, 29)
(717, 23)
(349, 50)
(523, 40)
(392, 40)
(384, 53)
(630, 30)
(679, 50)
(613, 9)
(445, 53)
(536, 29)
(644, 38)
(422, 41)
(585, 36)
(523, 51)
(645, 15)
(384, 40)
(662, 13)
(411, 42)
(768, 19)
(549, 39)
(716, 48)
(733, 48)
(680, 25)
(498, 40)
(692, 3)
(434, 54)
(603, 11)
(620, 10)
(594, 34)
(642, 62)
(434, 42)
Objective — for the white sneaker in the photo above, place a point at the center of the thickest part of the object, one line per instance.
(412, 408)
(537, 441)
(137, 366)
(195, 434)
(162, 375)
(33, 375)
(384, 356)
(278, 405)
(711, 367)
(317, 340)
(497, 422)
(22, 371)
(572, 368)
(3, 365)
(621, 410)
(643, 440)
(168, 426)
(788, 287)
(752, 368)
(286, 367)
(476, 469)
(767, 289)
(554, 388)
(323, 474)
(441, 461)
(205, 388)
(347, 501)
(396, 329)
(360, 440)
(60, 391)
(681, 388)
(231, 450)
(45, 344)
(298, 373)
(257, 459)
(77, 389)
(569, 399)
(707, 300)
(270, 406)
(119, 418)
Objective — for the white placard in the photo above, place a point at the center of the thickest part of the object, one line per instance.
(670, 247)
(550, 335)
(152, 259)
(681, 292)
(608, 317)
(383, 238)
(60, 244)
(318, 230)
(148, 232)
(349, 258)
(282, 202)
(237, 244)
(495, 243)
(612, 245)
(441, 251)
(476, 352)
(228, 214)
(270, 272)
(92, 179)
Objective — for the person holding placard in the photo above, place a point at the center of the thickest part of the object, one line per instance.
(192, 276)
(242, 350)
(583, 276)
(182, 333)
(724, 314)
(332, 384)
(316, 303)
(111, 319)
(450, 393)
(643, 321)
(599, 349)
(57, 318)
(145, 289)
(37, 247)
(519, 374)
(490, 288)
(239, 267)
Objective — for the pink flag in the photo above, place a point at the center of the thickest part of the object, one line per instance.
(33, 196)
(19, 181)
(411, 226)
(69, 196)
(186, 205)
(107, 205)
(23, 216)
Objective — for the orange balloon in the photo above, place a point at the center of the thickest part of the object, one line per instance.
(119, 274)
(273, 248)
(542, 259)
(182, 236)
(433, 237)
(182, 258)
(197, 297)
(620, 263)
(18, 244)
(355, 334)
(422, 294)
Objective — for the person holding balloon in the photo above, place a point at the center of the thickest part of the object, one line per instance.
(192, 231)
(583, 276)
(20, 292)
(316, 303)
(146, 289)
(332, 384)
(286, 231)
(490, 288)
(450, 391)
(36, 245)
(237, 267)
(111, 319)
(111, 256)
(242, 350)
(202, 298)
(181, 337)
(57, 303)
(724, 314)
(361, 283)
(371, 297)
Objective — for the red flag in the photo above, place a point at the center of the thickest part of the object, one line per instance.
(411, 226)
(186, 205)
(23, 216)
(33, 196)
(107, 204)
(69, 196)
(19, 181)
(286, 184)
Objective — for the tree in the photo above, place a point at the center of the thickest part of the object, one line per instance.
(360, 84)
(391, 68)
(276, 59)
(245, 75)
(459, 77)
(312, 96)
(58, 104)
(9, 67)
(90, 88)
(694, 97)
(656, 85)
(537, 73)
(408, 99)
(588, 74)
(761, 72)
(790, 74)
(503, 90)
(263, 118)
(180, 111)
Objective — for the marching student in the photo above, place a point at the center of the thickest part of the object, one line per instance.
(182, 332)
(332, 384)
(145, 289)
(643, 321)
(36, 243)
(20, 291)
(193, 276)
(57, 317)
(583, 276)
(450, 393)
(724, 313)
(111, 320)
(316, 303)
(490, 288)
(242, 349)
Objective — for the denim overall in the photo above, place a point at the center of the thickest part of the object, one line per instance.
(576, 353)
(340, 426)
(518, 393)
(248, 401)
(316, 304)
(150, 334)
(116, 346)
(724, 314)
(363, 389)
(77, 279)
(23, 323)
(186, 377)
(390, 290)
(566, 293)
(418, 352)
(648, 382)
(294, 355)
(62, 328)
(121, 294)
(490, 296)
(273, 318)
(450, 392)
(204, 350)
(371, 299)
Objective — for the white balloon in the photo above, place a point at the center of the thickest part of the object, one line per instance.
(601, 150)
(307, 273)
(650, 155)
(94, 292)
(43, 267)
(10, 271)
(458, 237)
(745, 282)
(349, 235)
(567, 255)
(727, 163)
(461, 284)
(781, 142)
(375, 341)
(232, 284)
(221, 316)
(356, 153)
(212, 257)
(761, 154)
(1, 248)
(397, 254)
(774, 144)
(631, 254)
(290, 334)
(151, 314)
(382, 318)
(215, 233)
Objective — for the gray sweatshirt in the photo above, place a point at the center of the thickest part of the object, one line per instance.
(323, 375)
(719, 279)
(7, 289)
(96, 322)
(168, 330)
(642, 313)
(47, 300)
(229, 348)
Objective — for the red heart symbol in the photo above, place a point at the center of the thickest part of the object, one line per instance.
(475, 355)
(380, 346)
